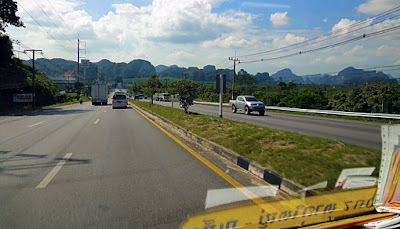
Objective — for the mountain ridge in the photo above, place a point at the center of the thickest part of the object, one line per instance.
(139, 68)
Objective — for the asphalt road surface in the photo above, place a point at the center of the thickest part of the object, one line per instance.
(84, 166)
(358, 132)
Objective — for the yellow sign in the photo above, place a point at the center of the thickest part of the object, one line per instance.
(288, 213)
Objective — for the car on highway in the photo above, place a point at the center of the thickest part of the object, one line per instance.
(119, 100)
(248, 104)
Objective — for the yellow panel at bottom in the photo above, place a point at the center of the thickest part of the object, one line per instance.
(288, 213)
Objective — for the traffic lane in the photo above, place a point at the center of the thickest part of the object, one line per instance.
(136, 176)
(357, 132)
(14, 125)
(30, 152)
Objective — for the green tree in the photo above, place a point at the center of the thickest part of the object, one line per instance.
(245, 81)
(152, 83)
(78, 87)
(187, 91)
(8, 10)
(136, 88)
(118, 79)
(6, 50)
(282, 86)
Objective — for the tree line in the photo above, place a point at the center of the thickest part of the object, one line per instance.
(375, 97)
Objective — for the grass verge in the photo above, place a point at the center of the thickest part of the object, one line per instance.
(303, 159)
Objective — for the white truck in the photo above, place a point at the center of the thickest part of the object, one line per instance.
(248, 104)
(99, 94)
(163, 97)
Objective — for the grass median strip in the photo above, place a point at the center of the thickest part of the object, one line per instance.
(303, 159)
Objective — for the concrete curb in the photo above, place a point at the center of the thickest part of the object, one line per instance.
(269, 176)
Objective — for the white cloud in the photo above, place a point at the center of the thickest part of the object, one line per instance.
(279, 19)
(316, 61)
(289, 39)
(191, 33)
(343, 25)
(216, 3)
(172, 21)
(264, 5)
(387, 51)
(182, 57)
(283, 64)
(330, 60)
(376, 6)
(355, 50)
(229, 41)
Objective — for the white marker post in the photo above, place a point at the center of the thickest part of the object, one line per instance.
(221, 93)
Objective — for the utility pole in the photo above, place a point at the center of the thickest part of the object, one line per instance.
(78, 61)
(33, 74)
(79, 58)
(166, 83)
(234, 59)
(221, 93)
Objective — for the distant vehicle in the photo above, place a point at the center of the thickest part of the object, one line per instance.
(138, 96)
(99, 94)
(119, 100)
(161, 97)
(247, 104)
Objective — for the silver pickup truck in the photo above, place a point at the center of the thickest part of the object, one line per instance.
(248, 104)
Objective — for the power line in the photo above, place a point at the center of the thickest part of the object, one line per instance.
(62, 19)
(396, 9)
(41, 53)
(387, 30)
(53, 22)
(45, 30)
(222, 62)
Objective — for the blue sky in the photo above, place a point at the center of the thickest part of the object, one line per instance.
(201, 32)
(308, 14)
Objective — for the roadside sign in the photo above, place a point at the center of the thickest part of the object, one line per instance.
(85, 63)
(22, 98)
(218, 83)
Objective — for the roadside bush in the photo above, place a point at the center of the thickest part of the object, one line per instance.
(66, 97)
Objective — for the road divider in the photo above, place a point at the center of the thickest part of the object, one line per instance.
(269, 176)
(253, 197)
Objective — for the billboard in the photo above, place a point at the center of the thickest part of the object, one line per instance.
(22, 98)
(218, 83)
(85, 63)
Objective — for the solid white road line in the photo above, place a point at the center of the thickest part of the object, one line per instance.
(35, 124)
(54, 172)
(95, 122)
(105, 111)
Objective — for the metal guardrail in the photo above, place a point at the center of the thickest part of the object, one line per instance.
(315, 111)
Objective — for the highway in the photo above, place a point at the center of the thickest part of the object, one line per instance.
(353, 131)
(84, 166)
